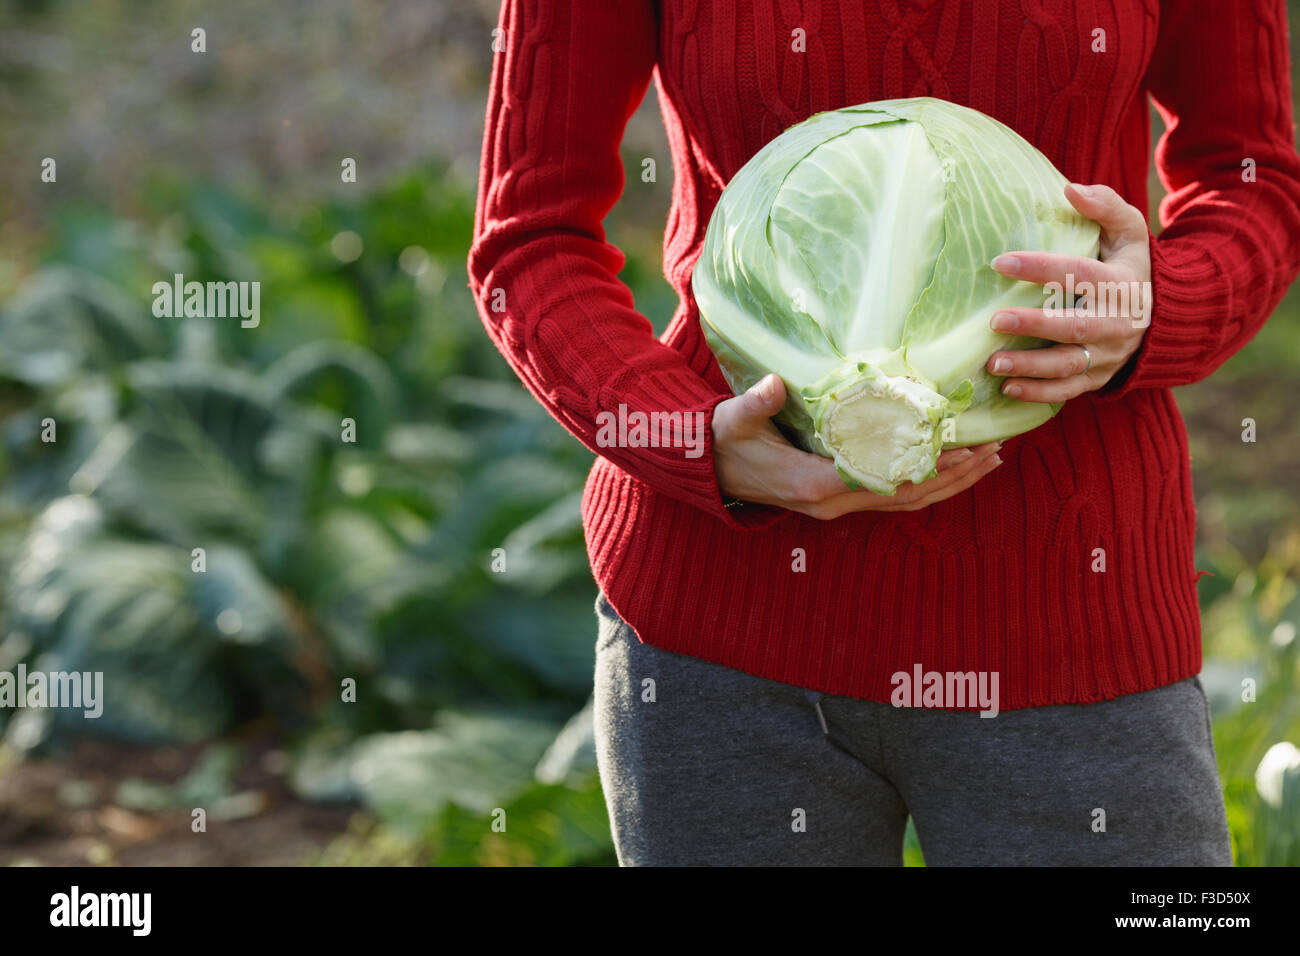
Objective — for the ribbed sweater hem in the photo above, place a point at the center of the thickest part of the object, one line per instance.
(1133, 627)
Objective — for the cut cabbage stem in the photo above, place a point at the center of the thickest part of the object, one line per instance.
(882, 429)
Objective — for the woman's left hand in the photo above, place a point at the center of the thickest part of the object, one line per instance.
(1095, 346)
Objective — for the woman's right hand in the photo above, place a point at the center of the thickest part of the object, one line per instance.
(755, 463)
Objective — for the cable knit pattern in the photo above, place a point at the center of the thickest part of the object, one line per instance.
(1005, 576)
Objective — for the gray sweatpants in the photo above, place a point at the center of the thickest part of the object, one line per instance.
(708, 765)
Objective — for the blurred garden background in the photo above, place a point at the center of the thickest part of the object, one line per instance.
(371, 560)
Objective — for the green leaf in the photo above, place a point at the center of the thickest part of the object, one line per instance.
(474, 759)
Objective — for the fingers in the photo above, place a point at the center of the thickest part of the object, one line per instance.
(945, 481)
(956, 474)
(1124, 257)
(950, 459)
(763, 400)
(749, 414)
(1122, 226)
(1041, 268)
(1122, 222)
(1107, 321)
(1051, 375)
(1070, 325)
(981, 469)
(1059, 361)
(1050, 391)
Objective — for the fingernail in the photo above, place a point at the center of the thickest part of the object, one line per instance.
(766, 388)
(1004, 322)
(1012, 390)
(997, 460)
(1001, 365)
(1082, 190)
(1006, 264)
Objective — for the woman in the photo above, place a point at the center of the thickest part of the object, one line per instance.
(754, 612)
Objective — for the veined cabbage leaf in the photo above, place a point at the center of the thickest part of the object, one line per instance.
(851, 256)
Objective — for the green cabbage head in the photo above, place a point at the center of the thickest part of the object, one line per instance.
(851, 256)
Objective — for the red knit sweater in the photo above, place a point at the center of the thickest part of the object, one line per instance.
(1006, 576)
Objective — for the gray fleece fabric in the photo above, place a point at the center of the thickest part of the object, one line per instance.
(706, 765)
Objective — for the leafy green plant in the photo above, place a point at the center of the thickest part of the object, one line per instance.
(1250, 620)
(201, 531)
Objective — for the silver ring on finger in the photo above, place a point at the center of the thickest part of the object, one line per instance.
(1087, 356)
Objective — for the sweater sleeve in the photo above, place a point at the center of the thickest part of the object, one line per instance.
(1231, 239)
(566, 79)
